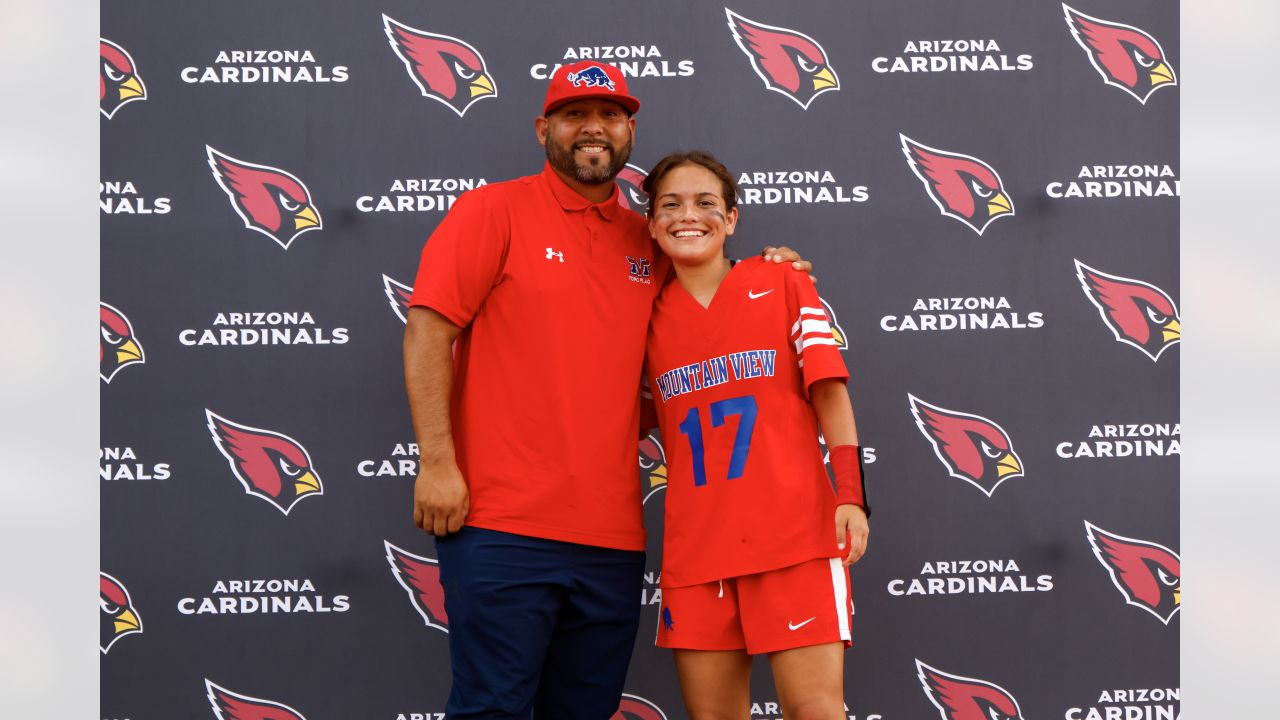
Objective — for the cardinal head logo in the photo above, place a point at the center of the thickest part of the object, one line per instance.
(962, 698)
(653, 466)
(229, 705)
(119, 616)
(268, 200)
(972, 448)
(420, 578)
(398, 295)
(270, 465)
(1148, 575)
(117, 347)
(446, 69)
(1125, 56)
(630, 193)
(962, 186)
(788, 61)
(118, 81)
(837, 332)
(1138, 314)
(634, 707)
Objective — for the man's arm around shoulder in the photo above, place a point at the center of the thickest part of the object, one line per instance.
(440, 497)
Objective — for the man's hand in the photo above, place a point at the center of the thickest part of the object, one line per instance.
(785, 254)
(851, 528)
(440, 499)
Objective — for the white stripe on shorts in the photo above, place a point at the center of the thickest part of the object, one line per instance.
(839, 583)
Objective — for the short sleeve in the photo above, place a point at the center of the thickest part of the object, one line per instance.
(817, 349)
(463, 258)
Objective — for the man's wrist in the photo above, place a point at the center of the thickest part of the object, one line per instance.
(437, 456)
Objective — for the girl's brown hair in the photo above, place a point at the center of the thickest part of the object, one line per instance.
(701, 158)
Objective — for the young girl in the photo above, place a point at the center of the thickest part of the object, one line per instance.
(740, 360)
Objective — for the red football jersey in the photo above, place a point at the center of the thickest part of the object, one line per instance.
(747, 490)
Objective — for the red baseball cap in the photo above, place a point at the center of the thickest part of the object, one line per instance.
(588, 79)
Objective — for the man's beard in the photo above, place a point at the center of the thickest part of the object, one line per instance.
(597, 172)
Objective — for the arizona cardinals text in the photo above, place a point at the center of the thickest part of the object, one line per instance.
(419, 195)
(266, 66)
(983, 576)
(121, 198)
(771, 187)
(631, 60)
(264, 328)
(1131, 440)
(243, 597)
(110, 469)
(1136, 704)
(951, 56)
(925, 316)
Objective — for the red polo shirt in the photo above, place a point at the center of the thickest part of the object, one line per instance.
(554, 294)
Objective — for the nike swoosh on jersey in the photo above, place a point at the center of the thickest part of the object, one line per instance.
(797, 626)
(753, 295)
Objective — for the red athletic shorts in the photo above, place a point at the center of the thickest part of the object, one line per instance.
(796, 606)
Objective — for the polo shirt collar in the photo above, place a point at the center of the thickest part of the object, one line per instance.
(571, 201)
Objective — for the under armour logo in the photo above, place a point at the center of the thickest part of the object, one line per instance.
(555, 254)
(639, 266)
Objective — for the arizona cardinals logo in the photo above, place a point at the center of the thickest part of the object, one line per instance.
(444, 68)
(1138, 313)
(653, 466)
(268, 464)
(228, 705)
(119, 617)
(634, 707)
(962, 698)
(118, 80)
(630, 196)
(398, 295)
(117, 347)
(962, 186)
(269, 200)
(420, 577)
(837, 332)
(1123, 55)
(789, 62)
(1148, 575)
(973, 448)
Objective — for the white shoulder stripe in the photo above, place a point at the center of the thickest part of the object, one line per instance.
(802, 343)
(813, 326)
(809, 342)
(807, 316)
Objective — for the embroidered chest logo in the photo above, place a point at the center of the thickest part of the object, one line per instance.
(639, 270)
(553, 254)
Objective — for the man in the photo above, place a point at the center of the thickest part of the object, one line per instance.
(527, 428)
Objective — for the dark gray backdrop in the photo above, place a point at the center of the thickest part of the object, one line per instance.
(1059, 652)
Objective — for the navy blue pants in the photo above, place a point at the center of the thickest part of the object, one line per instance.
(537, 628)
